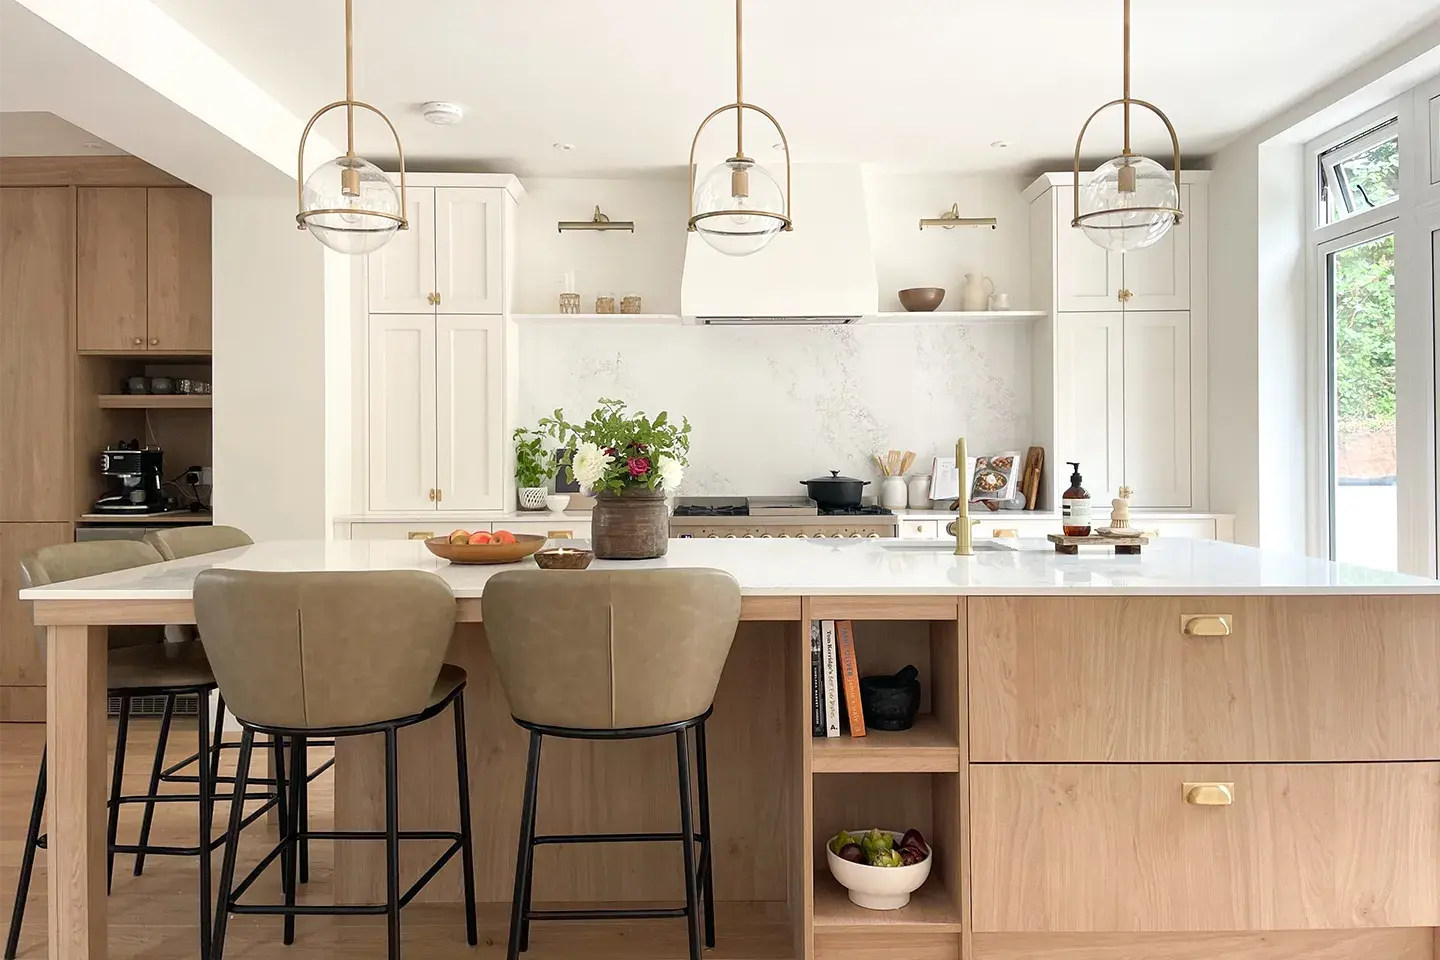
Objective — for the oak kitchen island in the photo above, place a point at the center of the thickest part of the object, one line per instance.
(1202, 751)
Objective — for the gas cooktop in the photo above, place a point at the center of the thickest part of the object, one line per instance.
(768, 507)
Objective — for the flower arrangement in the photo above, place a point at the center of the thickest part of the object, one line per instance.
(615, 449)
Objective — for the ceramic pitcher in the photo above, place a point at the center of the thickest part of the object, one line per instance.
(974, 295)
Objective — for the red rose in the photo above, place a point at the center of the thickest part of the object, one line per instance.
(639, 466)
(609, 451)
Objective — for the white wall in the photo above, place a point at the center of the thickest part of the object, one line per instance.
(270, 370)
(1257, 298)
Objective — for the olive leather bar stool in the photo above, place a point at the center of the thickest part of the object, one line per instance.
(614, 655)
(140, 664)
(180, 543)
(337, 654)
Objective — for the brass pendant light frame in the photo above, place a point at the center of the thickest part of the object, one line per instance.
(349, 103)
(740, 106)
(1126, 101)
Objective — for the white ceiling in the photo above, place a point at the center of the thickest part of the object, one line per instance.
(40, 134)
(916, 84)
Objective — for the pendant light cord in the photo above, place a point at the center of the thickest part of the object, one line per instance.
(739, 83)
(1127, 77)
(350, 80)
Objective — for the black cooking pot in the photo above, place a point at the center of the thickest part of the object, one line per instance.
(835, 490)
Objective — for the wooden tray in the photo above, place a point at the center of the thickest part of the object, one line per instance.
(524, 545)
(1072, 545)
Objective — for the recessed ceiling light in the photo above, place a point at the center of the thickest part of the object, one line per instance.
(1000, 144)
(563, 147)
(442, 112)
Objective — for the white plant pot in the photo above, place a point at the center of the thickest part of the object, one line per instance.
(532, 498)
(879, 888)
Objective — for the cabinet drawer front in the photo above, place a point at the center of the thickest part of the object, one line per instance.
(558, 529)
(411, 530)
(1116, 680)
(1119, 848)
(918, 529)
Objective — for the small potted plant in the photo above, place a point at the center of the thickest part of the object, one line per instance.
(628, 462)
(530, 471)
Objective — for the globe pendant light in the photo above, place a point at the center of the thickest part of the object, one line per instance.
(349, 204)
(1131, 201)
(739, 207)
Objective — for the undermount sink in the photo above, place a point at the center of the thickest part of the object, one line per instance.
(948, 545)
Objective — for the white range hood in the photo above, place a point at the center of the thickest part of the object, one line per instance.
(823, 271)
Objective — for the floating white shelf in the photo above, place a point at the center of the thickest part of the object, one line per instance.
(953, 316)
(626, 318)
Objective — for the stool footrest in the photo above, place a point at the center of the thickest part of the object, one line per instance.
(615, 838)
(615, 913)
(234, 906)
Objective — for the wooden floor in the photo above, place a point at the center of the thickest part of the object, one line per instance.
(154, 916)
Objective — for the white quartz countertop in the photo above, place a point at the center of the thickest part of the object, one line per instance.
(819, 567)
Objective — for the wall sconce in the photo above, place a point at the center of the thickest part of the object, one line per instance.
(951, 219)
(597, 222)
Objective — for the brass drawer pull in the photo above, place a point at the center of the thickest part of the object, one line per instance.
(999, 532)
(560, 534)
(419, 535)
(1206, 624)
(1209, 794)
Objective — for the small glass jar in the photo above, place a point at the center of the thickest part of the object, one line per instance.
(605, 303)
(630, 303)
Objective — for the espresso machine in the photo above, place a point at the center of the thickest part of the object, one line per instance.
(135, 478)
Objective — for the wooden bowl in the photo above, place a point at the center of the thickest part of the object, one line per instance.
(571, 559)
(922, 299)
(524, 545)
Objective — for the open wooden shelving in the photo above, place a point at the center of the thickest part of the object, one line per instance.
(931, 910)
(927, 747)
(155, 401)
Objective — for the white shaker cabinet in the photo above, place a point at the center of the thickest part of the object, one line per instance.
(1090, 400)
(401, 421)
(469, 350)
(1157, 277)
(1156, 413)
(402, 273)
(468, 260)
(451, 258)
(1091, 278)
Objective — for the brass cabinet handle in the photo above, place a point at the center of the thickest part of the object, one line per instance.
(154, 341)
(560, 534)
(439, 494)
(433, 299)
(419, 535)
(1209, 794)
(1206, 624)
(139, 340)
(1124, 295)
(432, 494)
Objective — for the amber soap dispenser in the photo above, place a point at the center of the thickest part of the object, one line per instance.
(1075, 505)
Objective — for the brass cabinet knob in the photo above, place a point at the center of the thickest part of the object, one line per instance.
(138, 341)
(433, 299)
(439, 494)
(154, 341)
(1206, 624)
(1210, 794)
(432, 494)
(1124, 295)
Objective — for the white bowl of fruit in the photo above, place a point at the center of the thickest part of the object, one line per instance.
(880, 868)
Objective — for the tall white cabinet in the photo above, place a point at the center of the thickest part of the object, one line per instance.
(437, 340)
(1127, 348)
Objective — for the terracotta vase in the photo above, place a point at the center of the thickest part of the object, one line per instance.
(630, 525)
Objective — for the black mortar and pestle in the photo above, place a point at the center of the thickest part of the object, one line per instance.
(891, 702)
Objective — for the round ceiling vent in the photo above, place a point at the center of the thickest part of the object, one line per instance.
(442, 112)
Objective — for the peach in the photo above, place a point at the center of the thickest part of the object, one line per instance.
(459, 536)
(479, 537)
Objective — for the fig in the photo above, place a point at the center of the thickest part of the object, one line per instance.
(910, 856)
(852, 852)
(913, 837)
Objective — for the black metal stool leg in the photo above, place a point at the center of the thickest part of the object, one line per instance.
(206, 800)
(155, 772)
(524, 856)
(285, 808)
(467, 852)
(232, 843)
(27, 861)
(113, 822)
(687, 837)
(707, 857)
(302, 803)
(392, 844)
(530, 866)
(217, 739)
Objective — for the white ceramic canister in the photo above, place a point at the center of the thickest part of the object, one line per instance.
(919, 488)
(893, 493)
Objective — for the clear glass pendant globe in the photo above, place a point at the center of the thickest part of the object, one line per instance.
(1130, 227)
(760, 208)
(358, 227)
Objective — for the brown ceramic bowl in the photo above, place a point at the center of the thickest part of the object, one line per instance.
(524, 545)
(571, 559)
(922, 299)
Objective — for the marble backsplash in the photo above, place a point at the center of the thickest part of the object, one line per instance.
(771, 406)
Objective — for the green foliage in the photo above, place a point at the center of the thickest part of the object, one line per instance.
(1364, 318)
(530, 459)
(634, 442)
(1374, 175)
